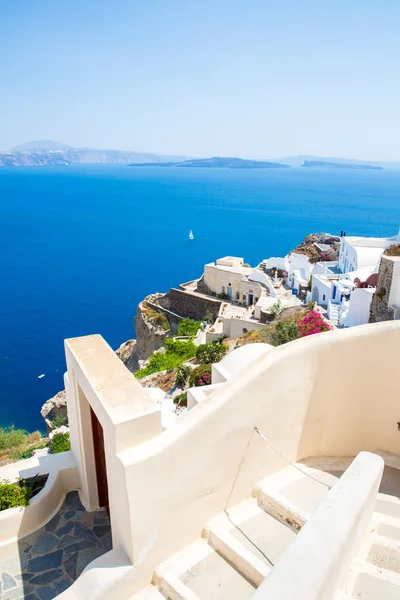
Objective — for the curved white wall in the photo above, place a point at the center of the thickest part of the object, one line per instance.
(334, 393)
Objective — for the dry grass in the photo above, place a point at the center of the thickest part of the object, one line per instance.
(393, 250)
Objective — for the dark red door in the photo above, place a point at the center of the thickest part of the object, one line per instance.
(100, 461)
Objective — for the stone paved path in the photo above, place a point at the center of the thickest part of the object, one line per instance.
(51, 558)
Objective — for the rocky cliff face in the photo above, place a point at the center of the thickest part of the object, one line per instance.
(54, 411)
(313, 253)
(151, 329)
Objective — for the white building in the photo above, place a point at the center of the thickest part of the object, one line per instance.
(358, 252)
(230, 276)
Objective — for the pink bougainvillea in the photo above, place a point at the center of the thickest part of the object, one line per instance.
(311, 324)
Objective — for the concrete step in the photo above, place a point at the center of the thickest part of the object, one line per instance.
(249, 539)
(199, 573)
(291, 496)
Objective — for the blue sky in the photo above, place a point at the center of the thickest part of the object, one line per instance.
(257, 79)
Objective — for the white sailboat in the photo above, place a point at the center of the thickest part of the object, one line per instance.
(191, 236)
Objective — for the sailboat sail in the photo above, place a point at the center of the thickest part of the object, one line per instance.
(191, 236)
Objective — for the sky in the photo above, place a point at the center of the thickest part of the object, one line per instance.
(255, 79)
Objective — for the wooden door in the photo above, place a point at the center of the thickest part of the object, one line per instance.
(100, 461)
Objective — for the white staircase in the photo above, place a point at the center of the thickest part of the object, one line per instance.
(238, 547)
(334, 312)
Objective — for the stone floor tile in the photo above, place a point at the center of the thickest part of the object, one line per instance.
(82, 532)
(52, 524)
(45, 543)
(101, 530)
(14, 594)
(69, 514)
(46, 593)
(78, 546)
(72, 502)
(65, 529)
(8, 581)
(46, 577)
(48, 561)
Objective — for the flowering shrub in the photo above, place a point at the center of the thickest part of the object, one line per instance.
(312, 323)
(201, 375)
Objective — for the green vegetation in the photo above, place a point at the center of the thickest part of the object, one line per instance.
(209, 317)
(188, 327)
(211, 353)
(275, 310)
(155, 317)
(60, 443)
(59, 421)
(12, 438)
(16, 444)
(177, 351)
(285, 331)
(201, 375)
(14, 494)
(182, 375)
(181, 399)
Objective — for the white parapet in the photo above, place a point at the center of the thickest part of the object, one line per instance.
(316, 566)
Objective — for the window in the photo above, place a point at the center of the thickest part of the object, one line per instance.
(223, 289)
(255, 300)
(244, 330)
(244, 297)
(323, 297)
(237, 295)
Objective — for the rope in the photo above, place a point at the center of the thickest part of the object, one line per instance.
(289, 461)
(262, 436)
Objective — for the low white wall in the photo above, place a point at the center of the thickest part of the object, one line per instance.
(195, 395)
(20, 521)
(316, 565)
(262, 278)
(233, 328)
(179, 480)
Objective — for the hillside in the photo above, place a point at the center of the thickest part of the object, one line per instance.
(47, 152)
(218, 162)
(315, 164)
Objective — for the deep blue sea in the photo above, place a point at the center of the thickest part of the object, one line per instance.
(81, 246)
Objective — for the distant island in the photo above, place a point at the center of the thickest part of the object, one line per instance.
(313, 164)
(49, 153)
(217, 162)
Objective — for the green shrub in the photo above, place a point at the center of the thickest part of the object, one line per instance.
(59, 421)
(161, 321)
(14, 494)
(155, 317)
(209, 317)
(210, 353)
(201, 375)
(60, 442)
(275, 310)
(181, 399)
(182, 375)
(177, 352)
(285, 331)
(188, 327)
(12, 438)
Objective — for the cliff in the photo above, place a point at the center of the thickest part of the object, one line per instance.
(313, 252)
(51, 153)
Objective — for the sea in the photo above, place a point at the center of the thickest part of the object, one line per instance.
(82, 245)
